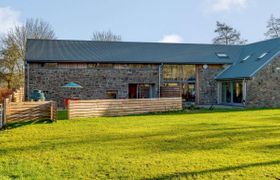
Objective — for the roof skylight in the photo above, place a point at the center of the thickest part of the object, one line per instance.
(262, 55)
(222, 55)
(246, 58)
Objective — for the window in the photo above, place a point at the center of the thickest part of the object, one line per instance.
(72, 65)
(263, 55)
(141, 91)
(98, 65)
(222, 55)
(178, 72)
(112, 94)
(144, 91)
(50, 65)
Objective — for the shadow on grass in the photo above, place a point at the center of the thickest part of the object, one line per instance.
(217, 170)
(25, 123)
(206, 111)
(155, 141)
(188, 142)
(61, 115)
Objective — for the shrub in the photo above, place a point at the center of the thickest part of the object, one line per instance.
(4, 92)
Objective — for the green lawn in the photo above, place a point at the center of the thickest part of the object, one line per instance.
(198, 145)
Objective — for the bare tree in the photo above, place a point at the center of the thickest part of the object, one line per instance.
(106, 36)
(273, 27)
(32, 29)
(11, 68)
(227, 35)
(13, 47)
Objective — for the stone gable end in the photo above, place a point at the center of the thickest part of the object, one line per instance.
(264, 88)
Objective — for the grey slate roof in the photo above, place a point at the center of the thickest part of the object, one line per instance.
(127, 52)
(248, 68)
(172, 53)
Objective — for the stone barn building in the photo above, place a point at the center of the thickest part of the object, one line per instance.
(237, 75)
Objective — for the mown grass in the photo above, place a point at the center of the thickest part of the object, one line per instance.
(224, 144)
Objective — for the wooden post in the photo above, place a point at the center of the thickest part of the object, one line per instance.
(5, 109)
(197, 84)
(54, 111)
(51, 113)
(68, 109)
(1, 116)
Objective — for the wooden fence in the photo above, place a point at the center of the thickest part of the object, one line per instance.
(28, 111)
(120, 107)
(18, 95)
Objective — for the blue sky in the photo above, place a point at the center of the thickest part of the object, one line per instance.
(191, 21)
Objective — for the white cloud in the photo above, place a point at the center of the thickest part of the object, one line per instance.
(171, 38)
(8, 19)
(227, 5)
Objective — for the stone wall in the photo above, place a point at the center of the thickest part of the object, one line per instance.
(264, 89)
(206, 85)
(96, 80)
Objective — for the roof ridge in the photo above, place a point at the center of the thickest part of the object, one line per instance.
(143, 42)
(151, 42)
(263, 41)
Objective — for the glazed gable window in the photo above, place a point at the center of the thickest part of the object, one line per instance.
(178, 72)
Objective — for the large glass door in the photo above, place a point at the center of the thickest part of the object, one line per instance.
(188, 92)
(237, 92)
(226, 92)
(232, 92)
